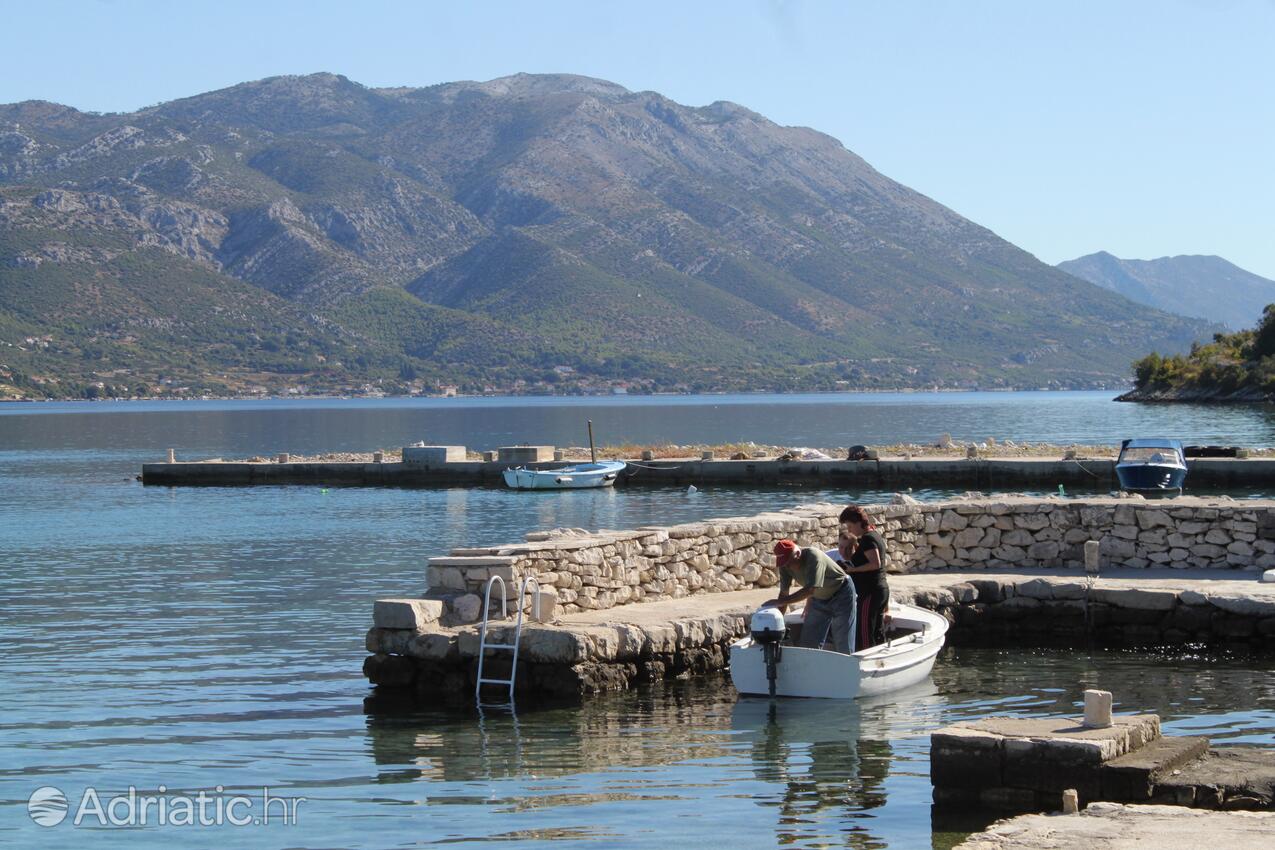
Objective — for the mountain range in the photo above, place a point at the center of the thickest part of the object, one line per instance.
(529, 233)
(1204, 287)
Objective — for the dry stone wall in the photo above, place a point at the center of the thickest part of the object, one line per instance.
(577, 570)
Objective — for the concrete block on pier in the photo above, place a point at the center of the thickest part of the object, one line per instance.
(1097, 708)
(433, 455)
(524, 454)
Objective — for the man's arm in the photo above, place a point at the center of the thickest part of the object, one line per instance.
(784, 601)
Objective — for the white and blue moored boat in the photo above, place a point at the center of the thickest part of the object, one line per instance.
(575, 477)
(601, 474)
(1153, 465)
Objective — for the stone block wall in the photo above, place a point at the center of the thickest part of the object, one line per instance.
(586, 571)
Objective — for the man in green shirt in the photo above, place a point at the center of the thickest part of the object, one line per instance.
(830, 609)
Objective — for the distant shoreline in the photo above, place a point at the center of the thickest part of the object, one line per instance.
(350, 397)
(1196, 395)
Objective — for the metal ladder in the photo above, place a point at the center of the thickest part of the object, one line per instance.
(483, 645)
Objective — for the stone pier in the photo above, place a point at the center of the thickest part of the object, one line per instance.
(446, 466)
(1000, 570)
(1032, 764)
(1112, 826)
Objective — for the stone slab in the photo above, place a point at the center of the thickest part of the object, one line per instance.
(1112, 826)
(473, 561)
(414, 614)
(1131, 778)
(1063, 740)
(1240, 777)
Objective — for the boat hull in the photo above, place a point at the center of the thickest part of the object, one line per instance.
(1147, 476)
(581, 476)
(1151, 465)
(824, 674)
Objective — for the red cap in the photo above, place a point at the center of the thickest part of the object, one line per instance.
(785, 551)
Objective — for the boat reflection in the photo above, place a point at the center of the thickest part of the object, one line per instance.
(828, 777)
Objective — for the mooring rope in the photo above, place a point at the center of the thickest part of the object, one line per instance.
(1077, 462)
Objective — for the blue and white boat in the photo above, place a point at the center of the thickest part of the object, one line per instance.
(1152, 465)
(597, 474)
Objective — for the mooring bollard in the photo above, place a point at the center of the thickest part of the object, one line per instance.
(489, 457)
(1091, 556)
(378, 457)
(559, 454)
(283, 457)
(1097, 709)
(647, 454)
(708, 455)
(172, 456)
(971, 452)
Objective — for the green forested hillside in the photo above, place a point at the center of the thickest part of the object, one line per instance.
(1236, 366)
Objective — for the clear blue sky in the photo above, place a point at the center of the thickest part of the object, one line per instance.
(1142, 128)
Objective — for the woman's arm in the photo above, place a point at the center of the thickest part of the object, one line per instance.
(874, 562)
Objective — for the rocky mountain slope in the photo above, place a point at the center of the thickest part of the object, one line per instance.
(528, 232)
(1205, 287)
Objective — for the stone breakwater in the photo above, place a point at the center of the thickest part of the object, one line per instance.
(594, 651)
(582, 571)
(987, 474)
(1130, 608)
(1172, 572)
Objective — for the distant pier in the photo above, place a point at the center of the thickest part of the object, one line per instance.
(450, 469)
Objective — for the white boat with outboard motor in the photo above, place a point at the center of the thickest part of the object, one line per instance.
(765, 664)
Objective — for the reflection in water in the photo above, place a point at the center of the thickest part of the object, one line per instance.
(813, 752)
(806, 772)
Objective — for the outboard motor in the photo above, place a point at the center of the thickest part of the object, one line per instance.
(769, 629)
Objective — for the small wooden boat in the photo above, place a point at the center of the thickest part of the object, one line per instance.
(1152, 465)
(764, 664)
(601, 474)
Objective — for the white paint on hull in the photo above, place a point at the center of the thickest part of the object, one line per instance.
(601, 474)
(823, 674)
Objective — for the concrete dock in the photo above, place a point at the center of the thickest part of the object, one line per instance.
(957, 473)
(1025, 764)
(1112, 826)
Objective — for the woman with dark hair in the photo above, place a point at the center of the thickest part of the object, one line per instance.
(866, 567)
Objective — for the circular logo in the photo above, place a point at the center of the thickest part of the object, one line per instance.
(47, 806)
